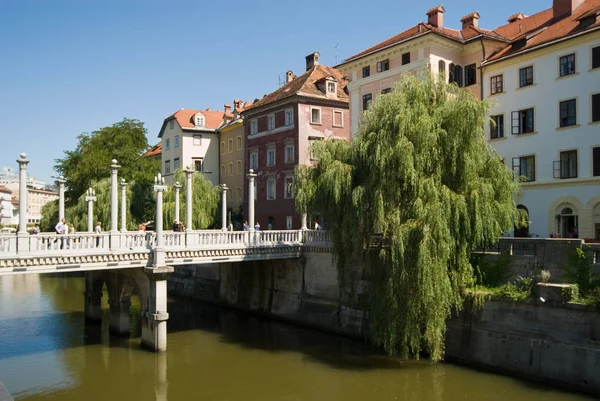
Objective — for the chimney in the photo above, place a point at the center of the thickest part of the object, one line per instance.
(564, 8)
(289, 76)
(312, 60)
(516, 17)
(227, 108)
(435, 16)
(470, 20)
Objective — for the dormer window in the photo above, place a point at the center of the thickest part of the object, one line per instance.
(331, 87)
(199, 121)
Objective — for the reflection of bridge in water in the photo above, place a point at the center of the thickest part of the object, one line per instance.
(140, 262)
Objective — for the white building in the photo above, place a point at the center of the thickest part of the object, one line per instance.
(10, 179)
(6, 206)
(546, 92)
(190, 138)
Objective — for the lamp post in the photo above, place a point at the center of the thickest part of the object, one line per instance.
(61, 197)
(123, 205)
(90, 199)
(188, 198)
(224, 206)
(114, 198)
(251, 177)
(159, 188)
(23, 193)
(177, 187)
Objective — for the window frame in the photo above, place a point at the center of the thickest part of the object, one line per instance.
(270, 122)
(383, 65)
(167, 167)
(497, 128)
(171, 124)
(239, 167)
(442, 67)
(595, 163)
(564, 121)
(519, 166)
(595, 96)
(230, 169)
(289, 117)
(167, 144)
(176, 164)
(201, 161)
(271, 181)
(366, 71)
(405, 58)
(520, 119)
(250, 159)
(595, 63)
(329, 87)
(271, 149)
(293, 153)
(253, 127)
(197, 140)
(341, 113)
(366, 98)
(238, 194)
(238, 142)
(222, 148)
(288, 194)
(565, 73)
(473, 68)
(572, 168)
(528, 80)
(498, 86)
(313, 109)
(176, 141)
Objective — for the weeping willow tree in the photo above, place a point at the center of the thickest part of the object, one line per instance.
(205, 205)
(421, 175)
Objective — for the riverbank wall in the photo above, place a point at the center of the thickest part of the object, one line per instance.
(558, 344)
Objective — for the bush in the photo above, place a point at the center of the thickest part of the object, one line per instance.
(544, 276)
(491, 272)
(580, 269)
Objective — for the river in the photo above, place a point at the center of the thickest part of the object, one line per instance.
(48, 352)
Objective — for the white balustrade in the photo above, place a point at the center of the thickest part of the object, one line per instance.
(8, 244)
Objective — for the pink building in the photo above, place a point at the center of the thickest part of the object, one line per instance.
(279, 130)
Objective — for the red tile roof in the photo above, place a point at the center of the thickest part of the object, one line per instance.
(439, 8)
(308, 85)
(5, 190)
(154, 150)
(185, 118)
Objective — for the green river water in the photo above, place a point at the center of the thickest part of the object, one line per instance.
(48, 352)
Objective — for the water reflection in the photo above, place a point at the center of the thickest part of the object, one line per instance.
(47, 350)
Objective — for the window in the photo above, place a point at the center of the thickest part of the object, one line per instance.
(289, 118)
(386, 90)
(254, 160)
(331, 87)
(497, 127)
(271, 188)
(522, 122)
(167, 167)
(405, 58)
(175, 163)
(596, 57)
(596, 107)
(526, 76)
(230, 168)
(367, 101)
(289, 187)
(197, 140)
(568, 113)
(313, 156)
(199, 121)
(176, 141)
(567, 166)
(338, 118)
(230, 145)
(171, 124)
(222, 170)
(497, 84)
(238, 193)
(383, 65)
(222, 147)
(567, 65)
(524, 166)
(289, 221)
(458, 75)
(270, 122)
(238, 142)
(168, 144)
(239, 167)
(315, 115)
(289, 153)
(198, 165)
(441, 67)
(366, 71)
(596, 161)
(253, 127)
(470, 74)
(271, 156)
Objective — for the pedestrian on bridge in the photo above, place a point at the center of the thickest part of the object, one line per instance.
(61, 229)
(98, 230)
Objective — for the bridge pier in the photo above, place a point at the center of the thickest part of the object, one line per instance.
(154, 318)
(119, 317)
(92, 306)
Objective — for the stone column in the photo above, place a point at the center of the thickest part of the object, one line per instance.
(23, 193)
(61, 197)
(188, 198)
(123, 205)
(304, 222)
(251, 177)
(119, 317)
(154, 319)
(177, 187)
(90, 199)
(159, 188)
(224, 207)
(92, 307)
(114, 198)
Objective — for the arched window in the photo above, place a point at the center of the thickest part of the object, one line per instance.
(451, 73)
(523, 232)
(567, 221)
(567, 211)
(442, 68)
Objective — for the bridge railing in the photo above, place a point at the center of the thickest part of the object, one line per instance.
(73, 243)
(8, 244)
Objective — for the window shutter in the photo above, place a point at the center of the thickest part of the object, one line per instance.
(516, 126)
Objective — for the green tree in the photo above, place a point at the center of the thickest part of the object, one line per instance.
(90, 162)
(421, 174)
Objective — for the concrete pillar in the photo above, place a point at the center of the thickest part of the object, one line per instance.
(123, 205)
(61, 197)
(93, 306)
(177, 187)
(114, 199)
(154, 319)
(251, 177)
(304, 222)
(188, 198)
(90, 199)
(224, 207)
(119, 317)
(23, 193)
(159, 188)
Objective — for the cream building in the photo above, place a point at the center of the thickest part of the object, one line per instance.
(36, 199)
(6, 206)
(190, 138)
(546, 91)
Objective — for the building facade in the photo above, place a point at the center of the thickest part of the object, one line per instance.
(279, 130)
(189, 138)
(6, 206)
(546, 90)
(36, 199)
(232, 156)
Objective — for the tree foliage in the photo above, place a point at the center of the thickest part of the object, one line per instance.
(90, 162)
(421, 174)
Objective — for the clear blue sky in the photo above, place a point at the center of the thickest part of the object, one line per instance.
(68, 67)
